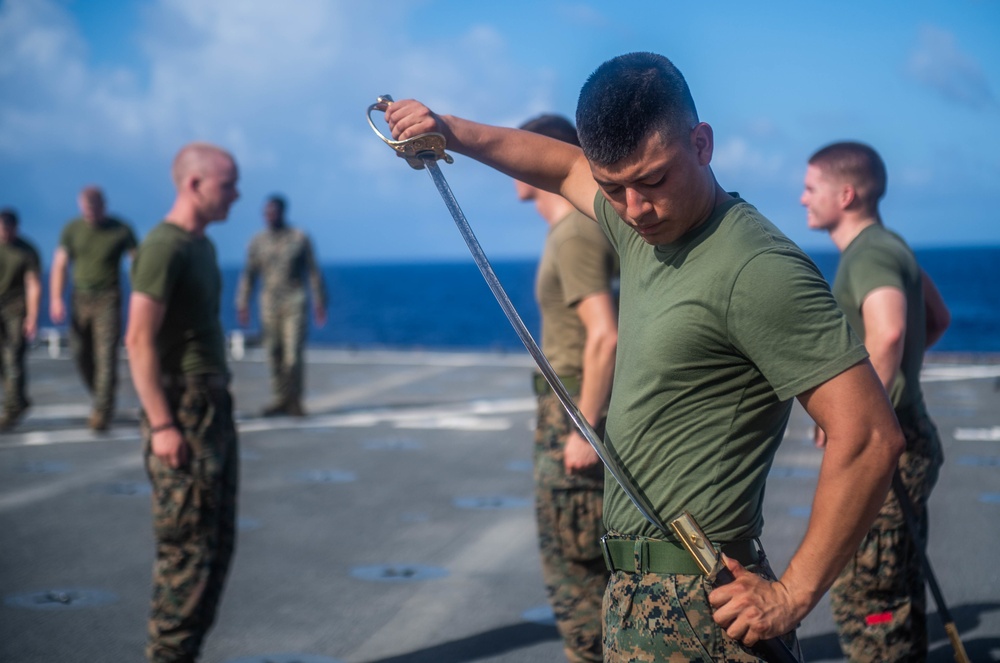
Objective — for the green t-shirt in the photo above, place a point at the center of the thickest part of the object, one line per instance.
(879, 258)
(17, 259)
(577, 262)
(180, 270)
(717, 332)
(96, 252)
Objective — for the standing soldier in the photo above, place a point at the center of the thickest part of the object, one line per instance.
(20, 294)
(177, 356)
(283, 257)
(879, 601)
(574, 288)
(95, 244)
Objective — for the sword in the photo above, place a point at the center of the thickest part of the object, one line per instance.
(423, 152)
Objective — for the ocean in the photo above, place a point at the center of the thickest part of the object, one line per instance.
(448, 306)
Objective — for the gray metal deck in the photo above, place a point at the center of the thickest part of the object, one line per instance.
(394, 524)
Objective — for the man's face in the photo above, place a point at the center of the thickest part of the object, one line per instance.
(821, 196)
(660, 190)
(8, 232)
(217, 188)
(91, 207)
(272, 214)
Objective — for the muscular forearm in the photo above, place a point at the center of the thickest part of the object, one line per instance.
(33, 298)
(598, 373)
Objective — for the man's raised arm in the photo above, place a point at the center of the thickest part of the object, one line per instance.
(540, 161)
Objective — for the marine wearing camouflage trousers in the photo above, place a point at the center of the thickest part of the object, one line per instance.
(95, 331)
(12, 350)
(194, 521)
(569, 512)
(284, 321)
(656, 617)
(879, 601)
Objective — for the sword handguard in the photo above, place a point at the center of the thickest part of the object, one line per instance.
(415, 150)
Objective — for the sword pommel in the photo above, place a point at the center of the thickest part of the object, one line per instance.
(416, 150)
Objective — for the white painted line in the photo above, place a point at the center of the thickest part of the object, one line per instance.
(951, 373)
(978, 434)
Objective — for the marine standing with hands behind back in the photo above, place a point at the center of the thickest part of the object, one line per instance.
(575, 288)
(722, 321)
(95, 244)
(282, 256)
(879, 601)
(177, 356)
(20, 297)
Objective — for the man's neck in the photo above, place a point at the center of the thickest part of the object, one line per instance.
(849, 228)
(187, 218)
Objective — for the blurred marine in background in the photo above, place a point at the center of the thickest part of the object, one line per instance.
(95, 244)
(575, 288)
(20, 295)
(282, 257)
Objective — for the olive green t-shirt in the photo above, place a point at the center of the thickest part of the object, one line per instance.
(718, 331)
(879, 258)
(577, 262)
(96, 252)
(17, 259)
(180, 270)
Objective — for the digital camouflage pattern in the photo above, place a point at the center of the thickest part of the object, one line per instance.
(95, 331)
(879, 601)
(569, 514)
(194, 521)
(662, 618)
(284, 261)
(12, 350)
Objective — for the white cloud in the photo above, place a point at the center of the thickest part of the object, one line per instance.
(939, 63)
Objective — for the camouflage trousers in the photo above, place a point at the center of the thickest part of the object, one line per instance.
(879, 600)
(654, 617)
(12, 350)
(194, 522)
(95, 331)
(284, 322)
(569, 511)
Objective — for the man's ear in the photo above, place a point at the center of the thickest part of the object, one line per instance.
(848, 196)
(703, 142)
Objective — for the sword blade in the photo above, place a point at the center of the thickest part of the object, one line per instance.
(614, 466)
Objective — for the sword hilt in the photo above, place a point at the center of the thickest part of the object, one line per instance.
(415, 150)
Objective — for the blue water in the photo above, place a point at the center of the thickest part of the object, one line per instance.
(448, 305)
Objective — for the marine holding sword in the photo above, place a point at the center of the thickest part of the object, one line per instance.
(722, 321)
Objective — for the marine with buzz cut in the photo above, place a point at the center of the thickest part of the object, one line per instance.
(722, 321)
(177, 356)
(879, 601)
(94, 244)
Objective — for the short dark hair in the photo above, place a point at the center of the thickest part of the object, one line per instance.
(553, 126)
(857, 163)
(279, 200)
(8, 216)
(625, 99)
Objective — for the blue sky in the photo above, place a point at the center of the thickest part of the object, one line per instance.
(106, 91)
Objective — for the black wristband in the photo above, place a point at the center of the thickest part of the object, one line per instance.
(162, 427)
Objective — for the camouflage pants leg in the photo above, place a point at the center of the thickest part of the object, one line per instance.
(194, 521)
(284, 326)
(879, 600)
(660, 617)
(95, 332)
(12, 352)
(569, 513)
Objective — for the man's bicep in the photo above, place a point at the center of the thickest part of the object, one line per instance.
(597, 311)
(145, 315)
(849, 404)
